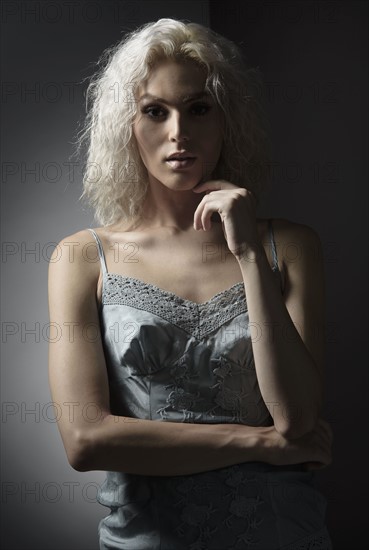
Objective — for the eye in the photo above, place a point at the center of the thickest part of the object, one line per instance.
(200, 109)
(154, 111)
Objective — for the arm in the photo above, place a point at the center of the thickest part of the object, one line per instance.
(288, 344)
(94, 439)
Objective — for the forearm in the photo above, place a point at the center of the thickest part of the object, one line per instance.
(159, 448)
(287, 375)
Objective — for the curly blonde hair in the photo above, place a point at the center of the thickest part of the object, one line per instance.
(115, 179)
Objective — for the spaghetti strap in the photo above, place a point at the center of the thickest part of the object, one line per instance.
(272, 242)
(101, 252)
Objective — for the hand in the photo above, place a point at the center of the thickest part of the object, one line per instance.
(314, 449)
(236, 208)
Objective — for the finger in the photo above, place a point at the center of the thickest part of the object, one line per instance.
(197, 217)
(209, 208)
(202, 215)
(197, 223)
(213, 185)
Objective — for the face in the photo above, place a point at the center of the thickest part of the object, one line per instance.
(176, 118)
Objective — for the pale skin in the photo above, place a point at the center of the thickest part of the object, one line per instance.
(178, 226)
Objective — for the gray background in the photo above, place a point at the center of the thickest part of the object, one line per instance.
(313, 58)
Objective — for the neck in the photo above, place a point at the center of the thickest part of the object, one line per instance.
(165, 207)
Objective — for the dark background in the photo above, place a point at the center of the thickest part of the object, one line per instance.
(313, 57)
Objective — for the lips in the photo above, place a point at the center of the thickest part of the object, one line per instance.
(180, 160)
(183, 155)
(181, 164)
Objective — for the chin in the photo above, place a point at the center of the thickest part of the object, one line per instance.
(188, 186)
(181, 184)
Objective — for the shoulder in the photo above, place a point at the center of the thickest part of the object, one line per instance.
(300, 256)
(296, 243)
(75, 258)
(287, 228)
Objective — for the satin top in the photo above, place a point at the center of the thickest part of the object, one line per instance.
(170, 359)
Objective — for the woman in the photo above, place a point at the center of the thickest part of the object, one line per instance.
(195, 363)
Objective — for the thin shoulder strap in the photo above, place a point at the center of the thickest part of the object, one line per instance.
(272, 242)
(101, 252)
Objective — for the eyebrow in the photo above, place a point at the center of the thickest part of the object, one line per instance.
(185, 99)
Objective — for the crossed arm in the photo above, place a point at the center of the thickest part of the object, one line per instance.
(289, 331)
(78, 378)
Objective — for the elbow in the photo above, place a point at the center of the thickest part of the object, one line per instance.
(292, 431)
(78, 462)
(84, 446)
(297, 422)
(78, 452)
(297, 429)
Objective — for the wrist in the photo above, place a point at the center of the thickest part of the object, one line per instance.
(250, 443)
(249, 254)
(266, 445)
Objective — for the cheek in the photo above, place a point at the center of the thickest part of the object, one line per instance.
(214, 145)
(146, 138)
(142, 144)
(212, 137)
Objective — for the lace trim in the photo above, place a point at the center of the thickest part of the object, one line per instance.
(196, 319)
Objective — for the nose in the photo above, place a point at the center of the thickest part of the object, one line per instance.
(178, 129)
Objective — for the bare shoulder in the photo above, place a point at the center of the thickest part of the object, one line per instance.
(286, 228)
(75, 257)
(296, 243)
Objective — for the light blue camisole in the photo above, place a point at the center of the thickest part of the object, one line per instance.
(173, 360)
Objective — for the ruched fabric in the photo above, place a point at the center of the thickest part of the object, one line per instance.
(172, 360)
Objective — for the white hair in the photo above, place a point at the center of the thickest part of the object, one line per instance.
(115, 179)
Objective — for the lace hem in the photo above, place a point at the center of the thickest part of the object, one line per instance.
(196, 319)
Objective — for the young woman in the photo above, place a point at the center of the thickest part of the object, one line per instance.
(190, 339)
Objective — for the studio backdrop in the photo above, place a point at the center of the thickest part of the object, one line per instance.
(313, 59)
